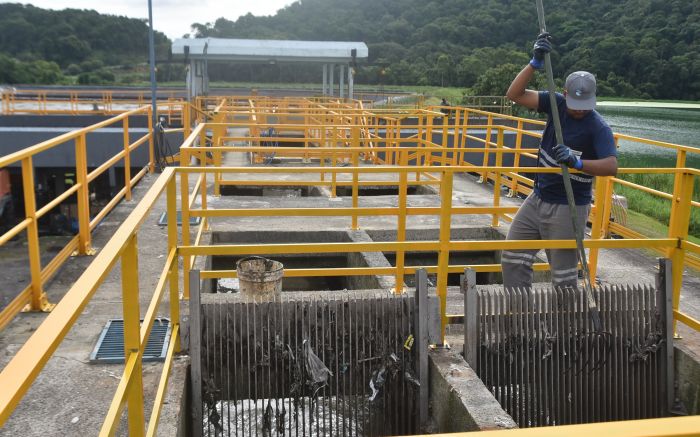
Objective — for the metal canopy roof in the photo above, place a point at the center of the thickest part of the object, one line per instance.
(261, 50)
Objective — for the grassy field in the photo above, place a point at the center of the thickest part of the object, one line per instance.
(652, 206)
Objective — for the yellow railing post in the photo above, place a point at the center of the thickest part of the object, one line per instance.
(444, 253)
(355, 189)
(487, 144)
(172, 245)
(456, 137)
(443, 143)
(185, 219)
(83, 195)
(217, 134)
(428, 157)
(334, 175)
(516, 158)
(497, 180)
(419, 143)
(602, 208)
(127, 158)
(307, 133)
(132, 338)
(401, 222)
(39, 301)
(151, 142)
(203, 179)
(678, 228)
(608, 208)
(186, 120)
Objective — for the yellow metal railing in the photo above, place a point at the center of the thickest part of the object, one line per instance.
(80, 101)
(24, 367)
(33, 296)
(356, 135)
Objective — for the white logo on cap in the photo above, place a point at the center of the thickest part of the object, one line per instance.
(579, 93)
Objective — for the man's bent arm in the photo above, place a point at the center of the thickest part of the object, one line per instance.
(600, 167)
(518, 91)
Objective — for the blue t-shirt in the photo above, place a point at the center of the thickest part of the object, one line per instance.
(589, 137)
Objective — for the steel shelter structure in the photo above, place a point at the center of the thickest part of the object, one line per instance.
(332, 55)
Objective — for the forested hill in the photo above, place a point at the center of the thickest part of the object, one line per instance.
(46, 46)
(637, 48)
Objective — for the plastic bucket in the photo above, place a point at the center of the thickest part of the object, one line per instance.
(259, 276)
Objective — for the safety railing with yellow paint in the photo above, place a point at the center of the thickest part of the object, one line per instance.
(81, 101)
(25, 366)
(458, 126)
(33, 296)
(27, 363)
(443, 246)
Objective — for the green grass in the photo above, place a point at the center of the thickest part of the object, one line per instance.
(647, 204)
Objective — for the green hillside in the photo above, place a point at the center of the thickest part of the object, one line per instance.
(637, 48)
(45, 46)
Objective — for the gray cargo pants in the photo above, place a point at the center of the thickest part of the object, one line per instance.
(540, 220)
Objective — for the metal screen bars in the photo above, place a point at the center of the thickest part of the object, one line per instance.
(304, 365)
(535, 351)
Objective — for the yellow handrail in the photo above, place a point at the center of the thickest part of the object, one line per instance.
(25, 366)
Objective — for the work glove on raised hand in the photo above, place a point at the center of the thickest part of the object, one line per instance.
(566, 156)
(542, 45)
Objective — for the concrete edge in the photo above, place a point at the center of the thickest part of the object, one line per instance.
(459, 401)
(687, 374)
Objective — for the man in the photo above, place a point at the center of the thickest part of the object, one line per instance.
(588, 147)
(445, 106)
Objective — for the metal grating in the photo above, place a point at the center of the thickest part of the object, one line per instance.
(320, 366)
(537, 352)
(163, 220)
(110, 346)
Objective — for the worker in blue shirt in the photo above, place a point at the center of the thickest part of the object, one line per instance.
(588, 147)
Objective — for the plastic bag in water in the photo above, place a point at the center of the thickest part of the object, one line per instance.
(316, 371)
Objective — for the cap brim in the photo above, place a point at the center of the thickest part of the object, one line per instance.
(580, 104)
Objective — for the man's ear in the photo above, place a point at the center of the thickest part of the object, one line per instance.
(564, 93)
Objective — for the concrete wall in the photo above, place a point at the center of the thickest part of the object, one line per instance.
(687, 371)
(459, 401)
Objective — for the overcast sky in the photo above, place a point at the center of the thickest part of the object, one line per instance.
(172, 17)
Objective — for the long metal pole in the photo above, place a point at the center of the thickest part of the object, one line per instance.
(152, 60)
(590, 299)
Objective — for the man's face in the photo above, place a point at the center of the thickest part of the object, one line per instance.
(576, 114)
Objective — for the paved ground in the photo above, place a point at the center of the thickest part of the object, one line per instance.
(71, 396)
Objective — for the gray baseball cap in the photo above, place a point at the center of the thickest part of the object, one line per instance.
(580, 91)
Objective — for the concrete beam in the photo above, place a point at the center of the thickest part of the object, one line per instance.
(459, 400)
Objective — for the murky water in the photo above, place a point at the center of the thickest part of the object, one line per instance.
(678, 126)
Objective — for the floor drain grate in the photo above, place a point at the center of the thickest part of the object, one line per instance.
(163, 220)
(110, 346)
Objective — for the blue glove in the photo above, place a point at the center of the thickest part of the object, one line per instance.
(542, 45)
(565, 155)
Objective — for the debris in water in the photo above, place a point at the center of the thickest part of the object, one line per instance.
(315, 368)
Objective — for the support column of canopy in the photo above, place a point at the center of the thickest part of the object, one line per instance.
(325, 79)
(331, 84)
(351, 83)
(341, 81)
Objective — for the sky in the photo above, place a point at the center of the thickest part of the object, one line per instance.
(172, 17)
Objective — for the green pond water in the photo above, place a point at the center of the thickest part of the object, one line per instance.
(678, 126)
